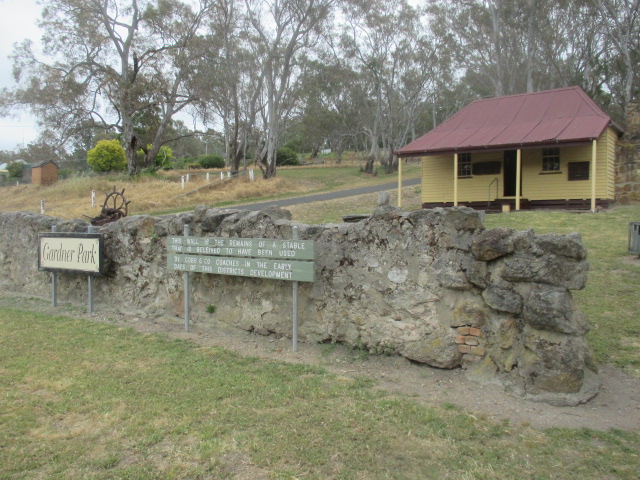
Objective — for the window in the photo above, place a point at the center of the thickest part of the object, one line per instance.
(578, 170)
(550, 159)
(464, 165)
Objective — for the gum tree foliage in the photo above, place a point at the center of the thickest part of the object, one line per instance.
(107, 156)
(260, 73)
(620, 21)
(281, 32)
(105, 62)
(502, 47)
(231, 81)
(386, 45)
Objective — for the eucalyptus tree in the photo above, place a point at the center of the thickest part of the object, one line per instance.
(106, 62)
(228, 82)
(620, 20)
(385, 43)
(490, 38)
(282, 30)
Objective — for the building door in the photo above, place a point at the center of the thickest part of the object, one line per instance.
(510, 170)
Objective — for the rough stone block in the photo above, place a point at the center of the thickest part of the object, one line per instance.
(502, 299)
(553, 308)
(492, 244)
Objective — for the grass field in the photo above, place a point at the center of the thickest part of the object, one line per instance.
(84, 400)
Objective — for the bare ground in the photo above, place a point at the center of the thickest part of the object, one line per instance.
(616, 406)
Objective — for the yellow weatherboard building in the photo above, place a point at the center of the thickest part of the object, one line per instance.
(551, 149)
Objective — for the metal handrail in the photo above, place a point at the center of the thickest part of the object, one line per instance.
(497, 182)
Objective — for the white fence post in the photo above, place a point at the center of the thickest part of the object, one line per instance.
(207, 176)
(251, 175)
(42, 207)
(182, 180)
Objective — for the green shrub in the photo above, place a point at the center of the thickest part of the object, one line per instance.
(15, 169)
(211, 161)
(286, 156)
(107, 156)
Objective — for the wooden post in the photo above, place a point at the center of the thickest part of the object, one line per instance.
(455, 179)
(594, 149)
(518, 175)
(399, 182)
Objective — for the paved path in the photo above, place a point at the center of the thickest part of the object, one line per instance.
(323, 197)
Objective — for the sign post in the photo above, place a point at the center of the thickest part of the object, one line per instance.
(54, 279)
(187, 290)
(90, 282)
(294, 339)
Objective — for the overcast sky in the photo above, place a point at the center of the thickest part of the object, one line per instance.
(17, 22)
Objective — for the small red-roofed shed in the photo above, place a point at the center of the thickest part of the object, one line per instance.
(45, 173)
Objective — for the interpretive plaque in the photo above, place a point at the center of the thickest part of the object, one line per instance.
(243, 257)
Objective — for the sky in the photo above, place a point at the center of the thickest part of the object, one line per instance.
(17, 23)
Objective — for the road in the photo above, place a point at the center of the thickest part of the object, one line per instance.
(323, 197)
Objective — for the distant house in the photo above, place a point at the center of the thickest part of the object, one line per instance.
(537, 150)
(45, 173)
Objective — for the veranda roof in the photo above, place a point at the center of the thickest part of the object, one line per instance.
(564, 115)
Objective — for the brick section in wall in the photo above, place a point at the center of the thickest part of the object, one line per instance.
(470, 341)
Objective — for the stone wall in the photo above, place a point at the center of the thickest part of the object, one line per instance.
(433, 286)
(627, 175)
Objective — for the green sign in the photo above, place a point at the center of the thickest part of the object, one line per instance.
(243, 247)
(243, 267)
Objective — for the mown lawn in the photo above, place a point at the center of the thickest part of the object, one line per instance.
(85, 400)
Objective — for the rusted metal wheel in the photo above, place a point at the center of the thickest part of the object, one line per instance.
(116, 204)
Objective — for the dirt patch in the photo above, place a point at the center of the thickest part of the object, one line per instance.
(616, 406)
(632, 260)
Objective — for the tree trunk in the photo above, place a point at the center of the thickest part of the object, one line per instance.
(130, 147)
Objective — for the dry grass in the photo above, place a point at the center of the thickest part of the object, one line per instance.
(71, 198)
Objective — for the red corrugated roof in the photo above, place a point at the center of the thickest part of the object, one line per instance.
(564, 115)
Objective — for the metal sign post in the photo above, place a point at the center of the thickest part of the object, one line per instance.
(295, 302)
(90, 229)
(54, 278)
(187, 290)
